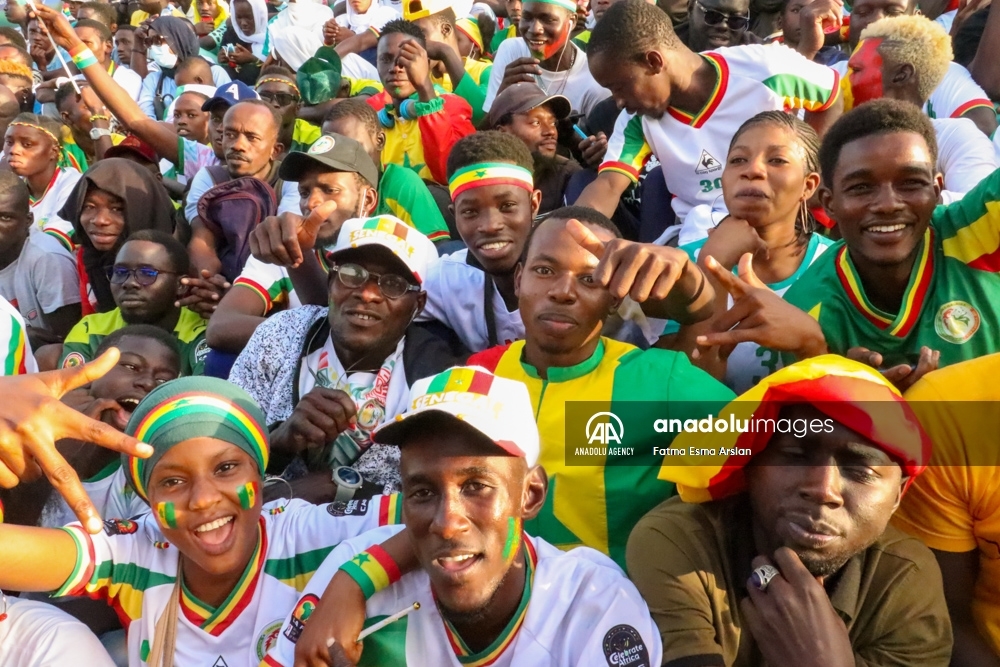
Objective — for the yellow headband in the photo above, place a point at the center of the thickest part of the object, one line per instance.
(39, 128)
(490, 173)
(274, 79)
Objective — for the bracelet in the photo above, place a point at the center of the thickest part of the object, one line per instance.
(98, 116)
(83, 57)
(372, 570)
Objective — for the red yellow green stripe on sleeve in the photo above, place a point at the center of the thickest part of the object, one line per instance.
(373, 570)
(853, 394)
(84, 567)
(390, 510)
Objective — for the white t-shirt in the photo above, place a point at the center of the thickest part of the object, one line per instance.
(129, 80)
(576, 83)
(111, 494)
(692, 150)
(580, 611)
(168, 91)
(375, 18)
(288, 198)
(45, 209)
(131, 566)
(41, 280)
(750, 363)
(965, 154)
(455, 292)
(36, 634)
(15, 353)
(956, 94)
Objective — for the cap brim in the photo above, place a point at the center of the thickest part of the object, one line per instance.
(560, 105)
(296, 164)
(213, 102)
(372, 248)
(434, 421)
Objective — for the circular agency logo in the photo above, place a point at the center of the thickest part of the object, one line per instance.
(604, 431)
(956, 322)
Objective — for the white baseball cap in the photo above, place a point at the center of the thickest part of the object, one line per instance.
(496, 407)
(408, 245)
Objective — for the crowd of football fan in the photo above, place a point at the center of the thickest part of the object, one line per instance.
(420, 333)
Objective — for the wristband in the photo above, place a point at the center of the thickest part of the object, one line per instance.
(372, 570)
(82, 57)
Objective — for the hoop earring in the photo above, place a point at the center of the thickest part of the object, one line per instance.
(715, 210)
(804, 224)
(291, 493)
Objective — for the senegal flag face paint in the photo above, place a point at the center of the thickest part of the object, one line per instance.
(513, 539)
(248, 494)
(545, 26)
(864, 74)
(165, 512)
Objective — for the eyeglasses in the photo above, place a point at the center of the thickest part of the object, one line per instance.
(155, 40)
(281, 99)
(144, 275)
(354, 277)
(713, 17)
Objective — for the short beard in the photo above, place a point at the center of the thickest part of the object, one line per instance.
(478, 615)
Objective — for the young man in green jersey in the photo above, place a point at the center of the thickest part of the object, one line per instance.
(912, 285)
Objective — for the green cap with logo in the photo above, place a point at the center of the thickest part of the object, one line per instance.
(335, 152)
(319, 77)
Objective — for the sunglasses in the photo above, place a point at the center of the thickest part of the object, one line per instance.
(281, 99)
(155, 40)
(144, 275)
(714, 17)
(355, 277)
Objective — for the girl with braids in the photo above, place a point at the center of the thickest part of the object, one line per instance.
(771, 171)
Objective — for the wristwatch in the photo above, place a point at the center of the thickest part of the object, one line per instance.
(97, 132)
(348, 481)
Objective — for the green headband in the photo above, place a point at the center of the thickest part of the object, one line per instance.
(194, 407)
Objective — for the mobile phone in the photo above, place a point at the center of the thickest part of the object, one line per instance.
(580, 133)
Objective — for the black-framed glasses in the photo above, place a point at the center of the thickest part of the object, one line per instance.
(354, 276)
(714, 17)
(281, 99)
(144, 275)
(155, 40)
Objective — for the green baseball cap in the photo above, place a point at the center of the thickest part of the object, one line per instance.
(319, 77)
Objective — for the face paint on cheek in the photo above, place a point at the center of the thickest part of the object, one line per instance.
(248, 494)
(166, 514)
(845, 90)
(513, 539)
(865, 72)
(552, 49)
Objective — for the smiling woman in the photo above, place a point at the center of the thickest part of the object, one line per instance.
(211, 551)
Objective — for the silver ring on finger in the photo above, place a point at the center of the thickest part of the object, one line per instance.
(762, 576)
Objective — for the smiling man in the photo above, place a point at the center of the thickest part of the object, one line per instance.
(326, 377)
(784, 555)
(489, 592)
(714, 24)
(145, 283)
(908, 274)
(684, 107)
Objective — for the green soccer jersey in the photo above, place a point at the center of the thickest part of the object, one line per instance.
(950, 304)
(401, 193)
(83, 339)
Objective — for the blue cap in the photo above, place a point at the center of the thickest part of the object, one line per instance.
(229, 94)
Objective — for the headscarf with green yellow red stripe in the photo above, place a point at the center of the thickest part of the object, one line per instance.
(852, 394)
(490, 173)
(194, 407)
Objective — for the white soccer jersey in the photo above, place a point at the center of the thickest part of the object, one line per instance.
(956, 94)
(132, 567)
(578, 610)
(455, 293)
(16, 353)
(270, 282)
(965, 155)
(110, 492)
(750, 363)
(46, 208)
(692, 149)
(37, 634)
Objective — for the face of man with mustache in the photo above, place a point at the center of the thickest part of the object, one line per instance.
(250, 140)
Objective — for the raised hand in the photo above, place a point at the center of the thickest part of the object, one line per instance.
(594, 148)
(414, 59)
(203, 293)
(32, 419)
(283, 240)
(759, 315)
(522, 69)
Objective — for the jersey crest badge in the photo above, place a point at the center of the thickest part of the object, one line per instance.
(956, 322)
(623, 647)
(268, 637)
(707, 163)
(297, 623)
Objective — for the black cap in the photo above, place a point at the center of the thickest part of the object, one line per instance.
(335, 151)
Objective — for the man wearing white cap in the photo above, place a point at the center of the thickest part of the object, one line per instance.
(488, 593)
(326, 377)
